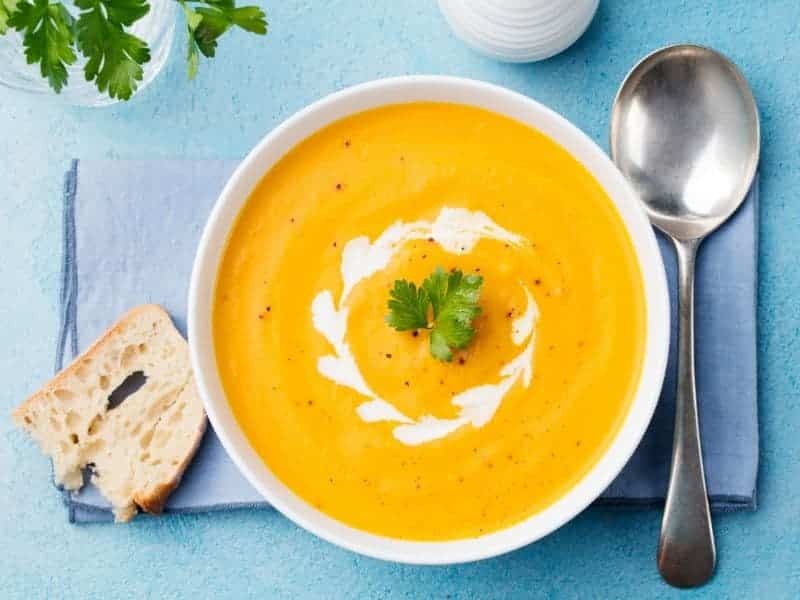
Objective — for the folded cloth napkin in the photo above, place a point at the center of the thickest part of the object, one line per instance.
(130, 234)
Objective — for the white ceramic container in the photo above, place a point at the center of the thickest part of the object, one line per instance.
(519, 30)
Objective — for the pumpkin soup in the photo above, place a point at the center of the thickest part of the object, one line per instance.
(429, 321)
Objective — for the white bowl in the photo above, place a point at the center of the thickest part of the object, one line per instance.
(442, 89)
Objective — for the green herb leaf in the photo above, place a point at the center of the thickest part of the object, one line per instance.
(453, 298)
(208, 22)
(124, 12)
(408, 307)
(439, 347)
(115, 56)
(7, 8)
(193, 20)
(47, 36)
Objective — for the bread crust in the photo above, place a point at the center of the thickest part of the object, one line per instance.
(155, 501)
(153, 498)
(135, 313)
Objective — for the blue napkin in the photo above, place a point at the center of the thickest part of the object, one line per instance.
(130, 233)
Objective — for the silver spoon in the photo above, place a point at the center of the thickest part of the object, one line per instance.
(685, 132)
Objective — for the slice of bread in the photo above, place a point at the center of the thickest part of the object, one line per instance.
(136, 451)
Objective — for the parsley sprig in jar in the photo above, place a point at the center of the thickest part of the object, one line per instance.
(97, 52)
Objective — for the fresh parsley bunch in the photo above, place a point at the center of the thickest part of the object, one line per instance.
(52, 37)
(451, 297)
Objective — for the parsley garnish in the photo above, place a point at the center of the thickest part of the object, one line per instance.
(115, 56)
(47, 38)
(51, 37)
(206, 24)
(7, 8)
(453, 300)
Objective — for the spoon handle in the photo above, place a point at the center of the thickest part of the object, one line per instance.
(686, 552)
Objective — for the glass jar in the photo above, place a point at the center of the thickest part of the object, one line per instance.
(157, 28)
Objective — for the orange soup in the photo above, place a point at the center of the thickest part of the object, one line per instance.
(361, 420)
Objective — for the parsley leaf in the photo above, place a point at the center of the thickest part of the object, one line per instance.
(439, 347)
(193, 20)
(47, 36)
(408, 307)
(7, 8)
(452, 297)
(207, 23)
(115, 56)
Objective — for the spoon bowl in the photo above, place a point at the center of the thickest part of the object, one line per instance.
(685, 131)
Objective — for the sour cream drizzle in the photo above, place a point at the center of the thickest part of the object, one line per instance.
(457, 231)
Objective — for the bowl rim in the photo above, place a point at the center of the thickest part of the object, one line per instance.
(458, 90)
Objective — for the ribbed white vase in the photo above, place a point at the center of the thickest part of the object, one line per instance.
(519, 30)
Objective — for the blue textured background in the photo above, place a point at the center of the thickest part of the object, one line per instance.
(314, 48)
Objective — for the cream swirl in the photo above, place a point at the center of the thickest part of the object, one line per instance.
(457, 231)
